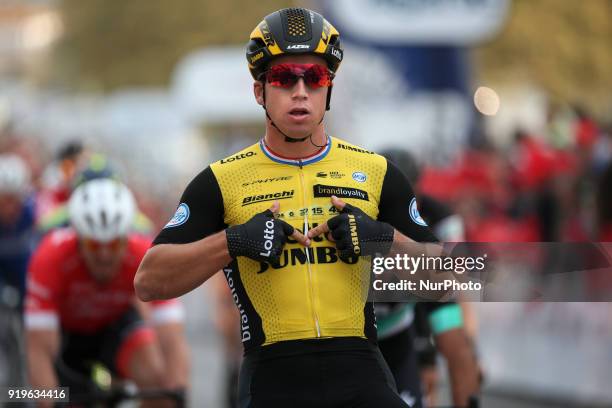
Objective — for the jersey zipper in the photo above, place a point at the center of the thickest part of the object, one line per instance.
(308, 260)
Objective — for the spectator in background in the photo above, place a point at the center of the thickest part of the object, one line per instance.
(409, 333)
(17, 241)
(97, 166)
(585, 130)
(58, 177)
(17, 232)
(602, 150)
(604, 205)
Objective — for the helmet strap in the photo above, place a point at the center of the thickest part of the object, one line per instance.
(329, 91)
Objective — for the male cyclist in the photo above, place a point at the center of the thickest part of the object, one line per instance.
(81, 306)
(97, 166)
(308, 333)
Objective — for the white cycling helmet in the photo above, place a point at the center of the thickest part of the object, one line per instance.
(102, 209)
(14, 175)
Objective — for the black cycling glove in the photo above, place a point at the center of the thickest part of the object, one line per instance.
(261, 238)
(356, 233)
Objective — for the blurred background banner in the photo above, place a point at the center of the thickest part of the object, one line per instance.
(397, 22)
(229, 94)
(423, 44)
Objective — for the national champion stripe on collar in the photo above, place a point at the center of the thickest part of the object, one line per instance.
(296, 162)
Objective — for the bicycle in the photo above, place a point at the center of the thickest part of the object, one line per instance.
(100, 389)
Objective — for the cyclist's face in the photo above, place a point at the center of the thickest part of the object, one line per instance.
(103, 259)
(296, 109)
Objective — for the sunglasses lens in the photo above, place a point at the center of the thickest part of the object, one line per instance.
(286, 75)
(281, 76)
(317, 76)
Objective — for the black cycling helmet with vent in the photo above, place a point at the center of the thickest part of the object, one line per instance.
(293, 31)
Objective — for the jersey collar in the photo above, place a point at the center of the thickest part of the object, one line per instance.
(296, 162)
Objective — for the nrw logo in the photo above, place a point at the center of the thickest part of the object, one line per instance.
(180, 216)
(414, 214)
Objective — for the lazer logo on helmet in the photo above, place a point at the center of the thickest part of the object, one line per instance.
(298, 47)
(267, 197)
(321, 190)
(238, 157)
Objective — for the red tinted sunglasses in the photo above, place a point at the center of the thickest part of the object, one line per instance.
(287, 75)
(96, 246)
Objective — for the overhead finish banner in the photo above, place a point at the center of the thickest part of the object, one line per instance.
(397, 22)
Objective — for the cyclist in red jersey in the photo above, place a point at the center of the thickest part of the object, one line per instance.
(81, 306)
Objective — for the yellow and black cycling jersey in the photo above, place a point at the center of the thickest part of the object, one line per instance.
(312, 293)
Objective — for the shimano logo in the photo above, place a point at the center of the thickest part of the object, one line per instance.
(336, 53)
(268, 237)
(298, 47)
(267, 197)
(332, 174)
(238, 157)
(321, 190)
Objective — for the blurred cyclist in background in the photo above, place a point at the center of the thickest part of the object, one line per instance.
(17, 232)
(81, 306)
(97, 166)
(58, 175)
(410, 334)
(17, 241)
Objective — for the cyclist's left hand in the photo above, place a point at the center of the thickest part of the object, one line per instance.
(355, 232)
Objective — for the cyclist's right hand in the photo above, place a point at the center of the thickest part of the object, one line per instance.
(263, 237)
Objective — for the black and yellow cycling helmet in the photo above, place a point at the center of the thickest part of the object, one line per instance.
(293, 31)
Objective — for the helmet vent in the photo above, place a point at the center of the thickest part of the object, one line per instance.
(296, 28)
(90, 221)
(104, 219)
